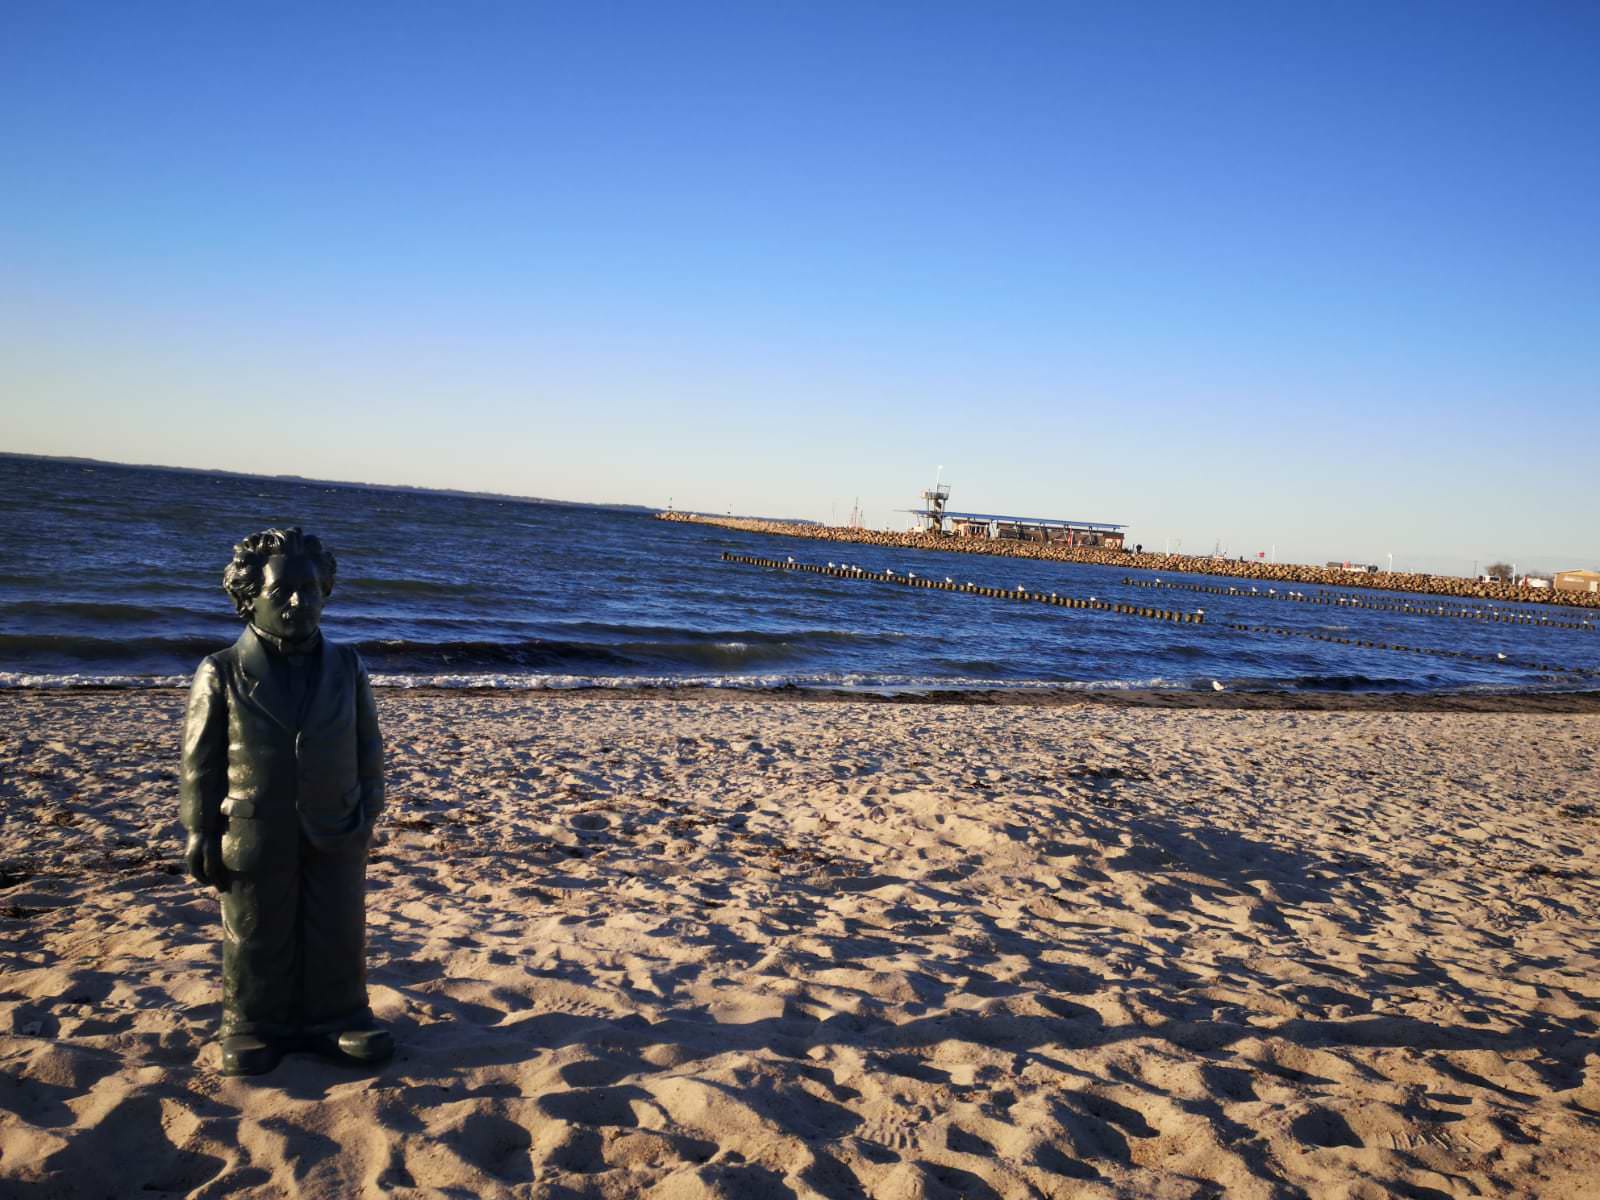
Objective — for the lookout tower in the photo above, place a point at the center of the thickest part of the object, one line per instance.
(933, 502)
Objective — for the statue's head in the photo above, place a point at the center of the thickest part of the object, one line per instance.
(278, 580)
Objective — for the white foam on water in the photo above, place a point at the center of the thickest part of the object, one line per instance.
(18, 679)
(837, 682)
(751, 682)
(537, 682)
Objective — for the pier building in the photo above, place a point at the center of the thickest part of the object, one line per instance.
(1577, 581)
(935, 517)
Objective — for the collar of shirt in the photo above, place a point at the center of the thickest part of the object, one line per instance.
(285, 647)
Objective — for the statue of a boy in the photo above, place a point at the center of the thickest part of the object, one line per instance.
(282, 783)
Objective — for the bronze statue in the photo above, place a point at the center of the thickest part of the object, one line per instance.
(282, 783)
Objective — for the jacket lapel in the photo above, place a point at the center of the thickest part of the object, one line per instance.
(323, 708)
(260, 688)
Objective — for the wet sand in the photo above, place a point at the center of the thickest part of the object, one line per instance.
(719, 945)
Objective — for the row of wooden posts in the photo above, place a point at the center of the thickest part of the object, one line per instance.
(1501, 660)
(1472, 614)
(909, 579)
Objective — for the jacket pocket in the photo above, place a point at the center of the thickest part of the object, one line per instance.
(361, 835)
(335, 825)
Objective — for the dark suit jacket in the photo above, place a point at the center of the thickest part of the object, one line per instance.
(247, 759)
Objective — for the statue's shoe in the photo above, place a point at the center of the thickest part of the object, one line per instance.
(247, 1054)
(368, 1045)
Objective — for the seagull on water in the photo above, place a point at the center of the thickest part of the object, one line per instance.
(1216, 686)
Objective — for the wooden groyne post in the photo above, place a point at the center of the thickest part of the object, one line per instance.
(911, 580)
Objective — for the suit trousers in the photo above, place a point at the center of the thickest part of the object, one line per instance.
(293, 932)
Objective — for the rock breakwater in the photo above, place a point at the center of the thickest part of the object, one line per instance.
(1389, 581)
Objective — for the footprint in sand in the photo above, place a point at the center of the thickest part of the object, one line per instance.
(590, 824)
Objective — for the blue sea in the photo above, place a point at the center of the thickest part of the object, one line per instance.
(112, 575)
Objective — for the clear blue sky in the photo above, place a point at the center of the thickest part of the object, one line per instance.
(1325, 277)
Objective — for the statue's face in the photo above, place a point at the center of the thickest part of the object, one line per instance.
(290, 603)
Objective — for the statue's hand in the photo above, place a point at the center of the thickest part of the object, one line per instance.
(203, 856)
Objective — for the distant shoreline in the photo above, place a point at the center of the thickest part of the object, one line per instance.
(1189, 564)
(354, 485)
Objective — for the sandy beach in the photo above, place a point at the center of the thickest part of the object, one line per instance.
(725, 946)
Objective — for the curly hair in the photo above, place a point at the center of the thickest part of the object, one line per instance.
(241, 578)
